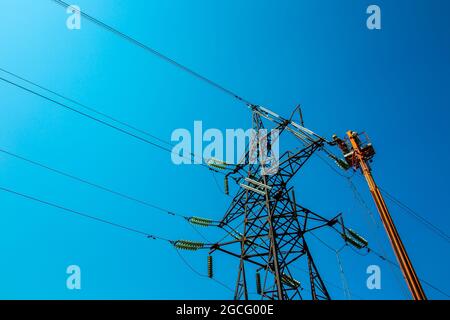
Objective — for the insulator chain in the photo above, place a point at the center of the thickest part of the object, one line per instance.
(188, 245)
(354, 239)
(202, 222)
(210, 267)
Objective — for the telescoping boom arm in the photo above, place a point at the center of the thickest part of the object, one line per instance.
(358, 155)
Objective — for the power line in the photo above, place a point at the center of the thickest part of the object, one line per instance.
(88, 216)
(76, 178)
(92, 184)
(117, 225)
(155, 52)
(97, 120)
(395, 264)
(121, 226)
(121, 122)
(345, 286)
(105, 115)
(416, 215)
(432, 227)
(86, 115)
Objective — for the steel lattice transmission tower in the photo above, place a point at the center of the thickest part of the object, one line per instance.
(266, 227)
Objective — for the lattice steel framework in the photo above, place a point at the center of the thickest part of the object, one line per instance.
(266, 227)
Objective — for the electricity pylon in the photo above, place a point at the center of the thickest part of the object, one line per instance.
(266, 226)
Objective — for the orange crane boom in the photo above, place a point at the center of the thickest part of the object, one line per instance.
(360, 155)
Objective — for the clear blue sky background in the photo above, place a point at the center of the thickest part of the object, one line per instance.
(393, 84)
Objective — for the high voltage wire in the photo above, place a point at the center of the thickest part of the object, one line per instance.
(416, 215)
(110, 223)
(107, 222)
(99, 121)
(76, 178)
(193, 156)
(395, 264)
(155, 52)
(85, 114)
(92, 184)
(82, 180)
(420, 218)
(345, 285)
(432, 227)
(85, 215)
(121, 122)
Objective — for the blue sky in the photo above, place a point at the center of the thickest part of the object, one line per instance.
(392, 83)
